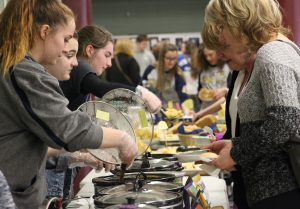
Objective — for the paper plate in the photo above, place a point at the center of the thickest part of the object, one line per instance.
(192, 156)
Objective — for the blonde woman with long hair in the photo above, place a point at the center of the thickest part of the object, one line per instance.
(125, 68)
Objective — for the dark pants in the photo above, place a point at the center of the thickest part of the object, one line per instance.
(239, 194)
(288, 200)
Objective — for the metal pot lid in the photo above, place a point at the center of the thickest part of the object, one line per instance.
(137, 111)
(153, 185)
(150, 197)
(154, 163)
(135, 206)
(130, 177)
(106, 115)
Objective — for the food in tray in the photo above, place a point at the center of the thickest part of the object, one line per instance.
(165, 150)
(145, 133)
(162, 125)
(168, 137)
(190, 128)
(193, 140)
(206, 94)
(221, 112)
(142, 146)
(206, 121)
(173, 113)
(209, 155)
(221, 128)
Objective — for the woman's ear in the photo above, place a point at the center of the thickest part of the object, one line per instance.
(44, 31)
(89, 50)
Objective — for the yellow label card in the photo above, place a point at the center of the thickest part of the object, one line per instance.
(143, 118)
(102, 115)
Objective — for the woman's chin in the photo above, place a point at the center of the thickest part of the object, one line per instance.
(65, 77)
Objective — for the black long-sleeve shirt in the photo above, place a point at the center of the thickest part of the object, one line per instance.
(129, 74)
(83, 81)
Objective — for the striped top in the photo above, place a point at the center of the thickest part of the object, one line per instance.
(6, 200)
(269, 111)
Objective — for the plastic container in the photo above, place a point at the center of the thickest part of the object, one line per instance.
(193, 140)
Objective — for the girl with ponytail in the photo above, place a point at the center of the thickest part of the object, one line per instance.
(33, 108)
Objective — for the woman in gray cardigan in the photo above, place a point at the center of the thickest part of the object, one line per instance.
(248, 35)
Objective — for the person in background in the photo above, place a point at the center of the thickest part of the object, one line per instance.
(191, 71)
(155, 51)
(167, 78)
(143, 56)
(124, 67)
(33, 107)
(94, 56)
(214, 75)
(6, 200)
(249, 36)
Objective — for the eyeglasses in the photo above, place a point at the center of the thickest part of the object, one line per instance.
(171, 58)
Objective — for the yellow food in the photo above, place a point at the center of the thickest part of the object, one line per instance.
(209, 155)
(145, 133)
(173, 113)
(142, 146)
(165, 150)
(188, 104)
(206, 94)
(206, 121)
(190, 128)
(221, 112)
(221, 128)
(162, 125)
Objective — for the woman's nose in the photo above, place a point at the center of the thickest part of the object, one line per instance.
(109, 63)
(75, 63)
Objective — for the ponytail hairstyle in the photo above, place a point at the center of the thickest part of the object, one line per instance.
(96, 36)
(19, 25)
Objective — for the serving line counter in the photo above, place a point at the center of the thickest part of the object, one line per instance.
(216, 189)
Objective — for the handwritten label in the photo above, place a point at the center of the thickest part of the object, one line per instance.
(102, 115)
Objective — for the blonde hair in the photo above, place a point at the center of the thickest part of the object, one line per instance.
(19, 23)
(125, 46)
(255, 20)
